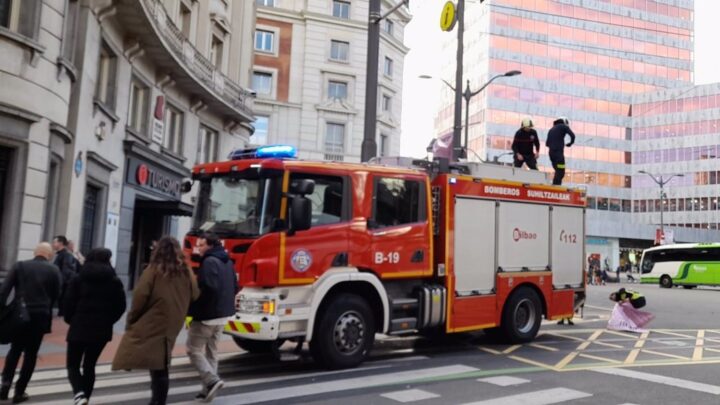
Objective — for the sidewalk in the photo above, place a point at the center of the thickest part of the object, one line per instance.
(52, 351)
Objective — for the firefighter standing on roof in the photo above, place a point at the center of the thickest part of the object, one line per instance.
(526, 146)
(556, 147)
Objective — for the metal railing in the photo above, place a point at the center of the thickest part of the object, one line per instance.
(199, 66)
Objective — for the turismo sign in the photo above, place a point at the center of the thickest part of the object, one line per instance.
(147, 176)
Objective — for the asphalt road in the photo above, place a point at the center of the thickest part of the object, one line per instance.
(677, 361)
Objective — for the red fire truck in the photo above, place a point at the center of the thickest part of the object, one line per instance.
(333, 253)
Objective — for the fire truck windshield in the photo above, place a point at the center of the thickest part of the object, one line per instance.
(235, 205)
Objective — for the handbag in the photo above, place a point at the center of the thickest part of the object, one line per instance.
(15, 316)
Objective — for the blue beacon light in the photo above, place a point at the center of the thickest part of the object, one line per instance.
(276, 151)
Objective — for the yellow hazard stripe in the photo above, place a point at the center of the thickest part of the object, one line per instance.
(561, 166)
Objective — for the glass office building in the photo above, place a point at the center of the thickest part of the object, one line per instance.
(588, 60)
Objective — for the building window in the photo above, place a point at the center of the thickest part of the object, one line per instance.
(262, 82)
(53, 193)
(89, 226)
(383, 145)
(185, 19)
(207, 145)
(337, 90)
(397, 202)
(389, 26)
(174, 136)
(340, 51)
(139, 102)
(105, 89)
(341, 9)
(21, 16)
(264, 41)
(266, 3)
(334, 141)
(386, 103)
(260, 137)
(70, 37)
(217, 49)
(388, 69)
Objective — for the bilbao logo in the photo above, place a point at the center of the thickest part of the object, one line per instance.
(142, 175)
(519, 234)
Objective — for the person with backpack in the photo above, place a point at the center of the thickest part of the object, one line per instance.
(36, 285)
(68, 265)
(94, 301)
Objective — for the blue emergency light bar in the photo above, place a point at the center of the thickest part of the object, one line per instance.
(265, 152)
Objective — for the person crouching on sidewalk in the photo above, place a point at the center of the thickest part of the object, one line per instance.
(218, 286)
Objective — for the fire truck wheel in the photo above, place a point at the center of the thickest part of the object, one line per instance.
(258, 346)
(344, 332)
(522, 316)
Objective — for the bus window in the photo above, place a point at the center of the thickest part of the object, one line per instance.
(647, 262)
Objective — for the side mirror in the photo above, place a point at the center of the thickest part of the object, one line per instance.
(186, 186)
(302, 187)
(300, 214)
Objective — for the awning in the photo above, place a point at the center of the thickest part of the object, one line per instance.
(172, 208)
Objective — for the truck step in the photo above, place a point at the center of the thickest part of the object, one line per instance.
(404, 304)
(401, 325)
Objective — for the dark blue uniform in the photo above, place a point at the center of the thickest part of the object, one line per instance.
(556, 148)
(523, 144)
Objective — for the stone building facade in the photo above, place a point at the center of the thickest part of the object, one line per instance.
(112, 102)
(309, 76)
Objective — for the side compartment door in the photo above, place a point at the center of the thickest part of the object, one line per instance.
(523, 234)
(474, 246)
(400, 235)
(566, 260)
(308, 254)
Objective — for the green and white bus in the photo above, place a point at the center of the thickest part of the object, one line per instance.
(686, 264)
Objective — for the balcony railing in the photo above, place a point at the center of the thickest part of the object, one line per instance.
(200, 67)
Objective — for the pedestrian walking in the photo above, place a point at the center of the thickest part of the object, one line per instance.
(556, 146)
(526, 145)
(35, 282)
(68, 266)
(94, 301)
(160, 303)
(218, 286)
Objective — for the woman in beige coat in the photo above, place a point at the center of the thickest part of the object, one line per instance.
(160, 304)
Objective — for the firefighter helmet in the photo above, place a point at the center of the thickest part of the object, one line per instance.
(563, 120)
(527, 123)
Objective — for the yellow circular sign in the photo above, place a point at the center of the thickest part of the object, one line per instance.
(448, 18)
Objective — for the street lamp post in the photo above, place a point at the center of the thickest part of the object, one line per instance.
(660, 181)
(467, 95)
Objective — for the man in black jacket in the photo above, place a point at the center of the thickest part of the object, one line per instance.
(218, 286)
(37, 281)
(556, 147)
(66, 262)
(526, 146)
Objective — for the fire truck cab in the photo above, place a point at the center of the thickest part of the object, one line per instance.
(334, 253)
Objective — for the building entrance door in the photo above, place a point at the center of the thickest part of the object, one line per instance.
(149, 226)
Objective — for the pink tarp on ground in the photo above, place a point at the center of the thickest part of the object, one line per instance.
(626, 318)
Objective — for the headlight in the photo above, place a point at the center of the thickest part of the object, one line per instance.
(247, 305)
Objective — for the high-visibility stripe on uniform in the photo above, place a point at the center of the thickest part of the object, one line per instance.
(561, 166)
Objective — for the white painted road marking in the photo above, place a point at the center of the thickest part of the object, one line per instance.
(661, 379)
(341, 385)
(409, 395)
(544, 397)
(504, 380)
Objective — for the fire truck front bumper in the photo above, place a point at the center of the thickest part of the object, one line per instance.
(265, 315)
(253, 327)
